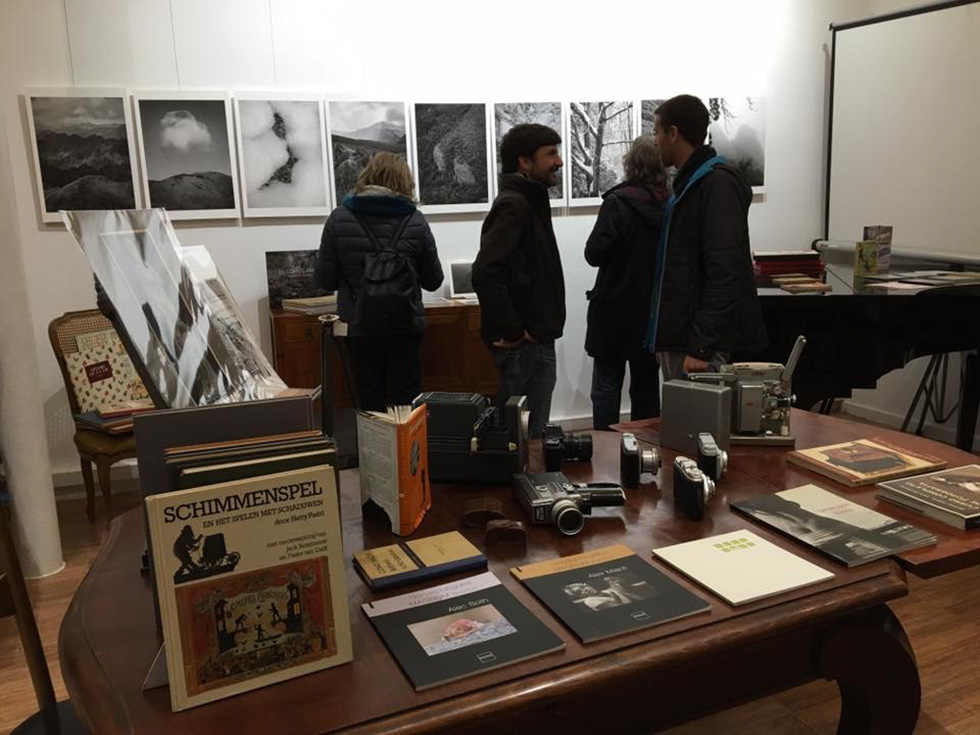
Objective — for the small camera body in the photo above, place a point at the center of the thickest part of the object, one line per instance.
(692, 488)
(559, 447)
(551, 500)
(712, 460)
(634, 461)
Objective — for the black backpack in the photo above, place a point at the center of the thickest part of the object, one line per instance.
(384, 302)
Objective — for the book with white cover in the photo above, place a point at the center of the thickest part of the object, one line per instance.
(741, 567)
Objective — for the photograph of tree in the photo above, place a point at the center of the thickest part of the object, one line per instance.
(738, 132)
(282, 157)
(601, 132)
(187, 157)
(647, 110)
(451, 156)
(358, 130)
(82, 153)
(508, 114)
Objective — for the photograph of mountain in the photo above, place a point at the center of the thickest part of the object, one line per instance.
(508, 114)
(601, 133)
(187, 156)
(358, 130)
(282, 157)
(82, 153)
(737, 131)
(451, 157)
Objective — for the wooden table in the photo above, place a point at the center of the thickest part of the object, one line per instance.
(840, 629)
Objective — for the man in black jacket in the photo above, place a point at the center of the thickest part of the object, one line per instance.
(704, 305)
(517, 274)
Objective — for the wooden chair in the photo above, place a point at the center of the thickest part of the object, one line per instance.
(54, 717)
(94, 447)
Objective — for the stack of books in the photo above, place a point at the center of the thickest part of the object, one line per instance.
(313, 305)
(782, 264)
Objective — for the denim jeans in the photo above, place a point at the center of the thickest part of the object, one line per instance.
(672, 363)
(531, 370)
(607, 388)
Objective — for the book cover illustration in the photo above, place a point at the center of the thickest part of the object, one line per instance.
(291, 274)
(444, 633)
(741, 567)
(951, 496)
(250, 582)
(881, 236)
(246, 625)
(848, 532)
(607, 592)
(863, 462)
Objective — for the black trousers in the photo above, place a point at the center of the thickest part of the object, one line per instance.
(387, 370)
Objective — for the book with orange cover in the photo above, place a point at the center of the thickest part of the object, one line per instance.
(864, 461)
(393, 458)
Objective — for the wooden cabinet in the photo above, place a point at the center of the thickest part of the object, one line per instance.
(453, 356)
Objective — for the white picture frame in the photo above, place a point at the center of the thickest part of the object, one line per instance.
(578, 136)
(557, 202)
(366, 110)
(461, 279)
(49, 111)
(291, 194)
(199, 152)
(421, 138)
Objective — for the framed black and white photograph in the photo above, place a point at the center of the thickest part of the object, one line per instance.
(186, 153)
(83, 147)
(282, 156)
(291, 274)
(461, 279)
(647, 110)
(358, 130)
(508, 114)
(737, 130)
(451, 157)
(600, 134)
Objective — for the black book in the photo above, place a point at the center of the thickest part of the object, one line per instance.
(951, 496)
(607, 592)
(850, 533)
(456, 630)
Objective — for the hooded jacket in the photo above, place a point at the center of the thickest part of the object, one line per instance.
(623, 246)
(708, 300)
(344, 246)
(517, 274)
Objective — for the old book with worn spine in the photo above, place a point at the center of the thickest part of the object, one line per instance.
(863, 461)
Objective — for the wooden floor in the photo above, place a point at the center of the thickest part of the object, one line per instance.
(941, 617)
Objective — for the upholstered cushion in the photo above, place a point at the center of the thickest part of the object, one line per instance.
(92, 443)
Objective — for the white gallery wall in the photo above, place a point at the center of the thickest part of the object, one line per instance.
(425, 51)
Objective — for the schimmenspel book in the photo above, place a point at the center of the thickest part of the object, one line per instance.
(607, 592)
(460, 629)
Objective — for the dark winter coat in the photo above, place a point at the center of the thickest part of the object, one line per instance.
(623, 246)
(517, 274)
(708, 300)
(344, 246)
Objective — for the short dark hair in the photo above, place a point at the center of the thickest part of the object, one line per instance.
(522, 141)
(688, 114)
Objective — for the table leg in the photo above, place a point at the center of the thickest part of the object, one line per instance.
(872, 662)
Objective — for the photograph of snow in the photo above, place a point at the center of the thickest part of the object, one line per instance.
(358, 130)
(282, 157)
(187, 157)
(508, 114)
(83, 152)
(738, 132)
(451, 157)
(601, 133)
(647, 110)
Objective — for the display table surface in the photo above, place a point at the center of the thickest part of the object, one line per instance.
(840, 629)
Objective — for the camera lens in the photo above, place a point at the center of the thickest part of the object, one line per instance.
(578, 447)
(567, 517)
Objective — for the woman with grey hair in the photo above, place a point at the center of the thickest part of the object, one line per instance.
(623, 246)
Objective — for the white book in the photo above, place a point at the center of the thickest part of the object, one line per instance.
(741, 567)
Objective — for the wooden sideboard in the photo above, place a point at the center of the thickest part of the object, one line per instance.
(453, 356)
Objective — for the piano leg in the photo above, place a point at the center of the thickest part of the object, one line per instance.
(966, 422)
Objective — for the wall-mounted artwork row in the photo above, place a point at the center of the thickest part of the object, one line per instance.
(508, 114)
(601, 133)
(187, 158)
(83, 151)
(358, 130)
(282, 156)
(452, 162)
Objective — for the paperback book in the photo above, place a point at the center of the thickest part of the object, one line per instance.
(850, 533)
(741, 567)
(951, 496)
(460, 629)
(607, 592)
(408, 562)
(863, 462)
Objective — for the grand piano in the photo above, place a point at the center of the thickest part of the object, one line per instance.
(855, 337)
